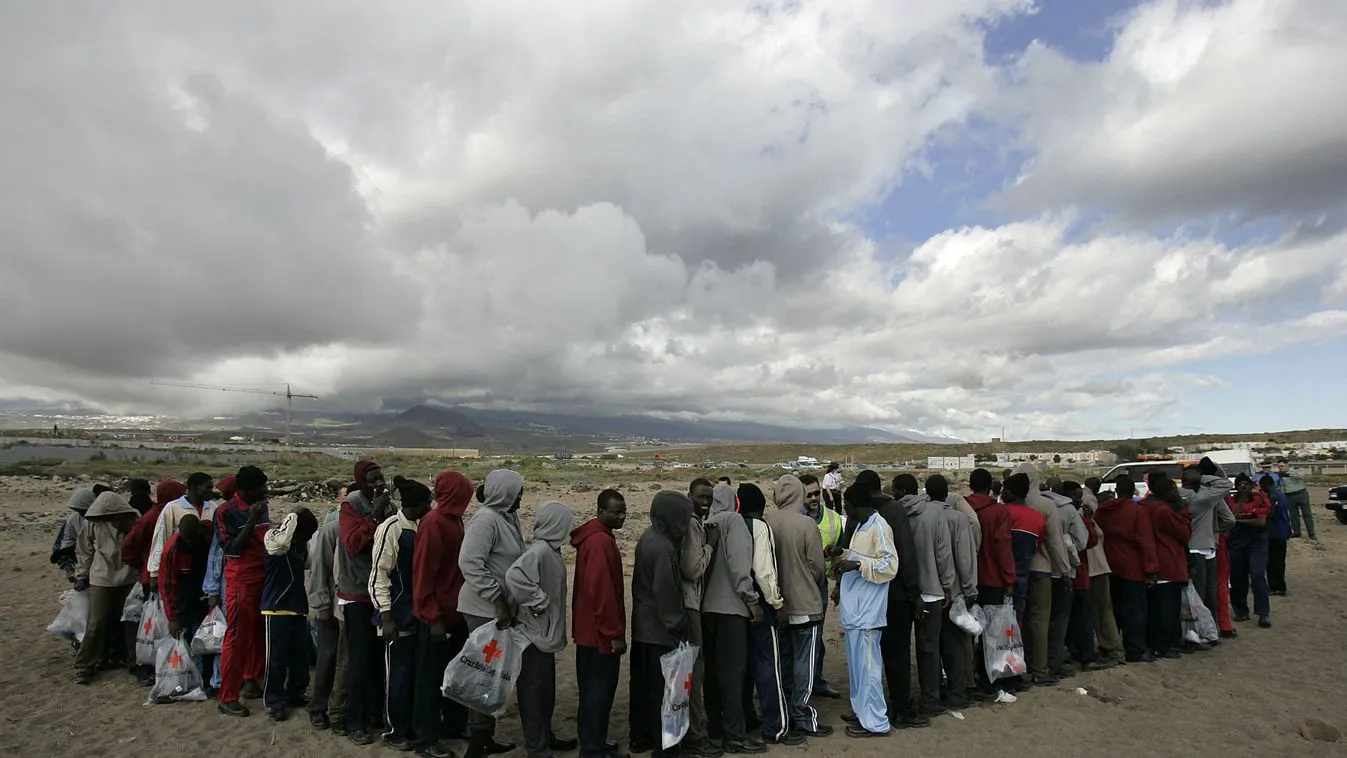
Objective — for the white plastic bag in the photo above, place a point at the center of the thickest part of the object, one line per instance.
(175, 676)
(134, 606)
(963, 618)
(73, 617)
(980, 616)
(676, 665)
(1198, 625)
(153, 628)
(484, 673)
(1002, 643)
(209, 637)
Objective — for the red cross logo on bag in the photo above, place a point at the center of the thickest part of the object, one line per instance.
(687, 685)
(174, 660)
(149, 625)
(492, 652)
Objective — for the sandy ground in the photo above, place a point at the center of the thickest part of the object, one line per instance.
(1250, 697)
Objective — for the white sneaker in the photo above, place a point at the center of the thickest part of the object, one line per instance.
(1005, 697)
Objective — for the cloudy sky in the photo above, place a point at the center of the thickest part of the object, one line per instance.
(1070, 219)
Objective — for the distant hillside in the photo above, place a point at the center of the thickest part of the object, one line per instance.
(429, 418)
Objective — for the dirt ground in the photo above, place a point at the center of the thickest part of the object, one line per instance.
(1249, 697)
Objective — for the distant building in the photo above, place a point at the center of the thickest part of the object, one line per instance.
(951, 463)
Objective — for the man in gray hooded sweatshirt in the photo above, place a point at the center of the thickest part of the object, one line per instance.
(658, 618)
(491, 545)
(1050, 563)
(956, 647)
(1075, 538)
(1205, 488)
(939, 583)
(537, 583)
(730, 603)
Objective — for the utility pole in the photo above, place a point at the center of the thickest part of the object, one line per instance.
(289, 396)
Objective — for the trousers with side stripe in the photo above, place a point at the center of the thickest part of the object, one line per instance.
(287, 660)
(764, 667)
(802, 667)
(400, 674)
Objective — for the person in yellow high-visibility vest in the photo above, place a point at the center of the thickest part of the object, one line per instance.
(830, 527)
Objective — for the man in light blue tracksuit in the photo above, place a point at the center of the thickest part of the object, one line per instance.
(867, 567)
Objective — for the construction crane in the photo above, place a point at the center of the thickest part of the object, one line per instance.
(289, 396)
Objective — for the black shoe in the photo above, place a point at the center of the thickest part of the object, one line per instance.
(850, 717)
(277, 716)
(789, 739)
(1065, 672)
(823, 731)
(563, 745)
(435, 751)
(234, 709)
(1264, 622)
(1103, 665)
(319, 721)
(1046, 681)
(910, 721)
(360, 737)
(862, 733)
(747, 746)
(1244, 617)
(1229, 634)
(400, 744)
(84, 677)
(700, 748)
(338, 729)
(492, 747)
(829, 693)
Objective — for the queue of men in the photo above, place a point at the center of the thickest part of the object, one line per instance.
(394, 589)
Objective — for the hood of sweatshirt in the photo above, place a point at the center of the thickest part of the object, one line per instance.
(722, 498)
(586, 530)
(502, 489)
(671, 513)
(453, 492)
(1029, 470)
(789, 494)
(553, 523)
(81, 499)
(980, 502)
(109, 505)
(915, 505)
(169, 490)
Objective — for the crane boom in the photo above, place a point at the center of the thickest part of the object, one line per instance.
(289, 396)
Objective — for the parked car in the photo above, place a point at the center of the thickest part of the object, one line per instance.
(1337, 502)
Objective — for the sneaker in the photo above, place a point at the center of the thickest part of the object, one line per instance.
(1005, 698)
(747, 746)
(360, 737)
(277, 715)
(1264, 622)
(1242, 618)
(1065, 672)
(1103, 665)
(791, 738)
(400, 744)
(1046, 681)
(235, 708)
(910, 721)
(564, 745)
(823, 731)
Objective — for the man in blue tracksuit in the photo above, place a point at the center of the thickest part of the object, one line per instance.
(864, 572)
(285, 610)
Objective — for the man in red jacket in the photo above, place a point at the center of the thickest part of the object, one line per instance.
(598, 622)
(136, 553)
(996, 560)
(436, 581)
(1172, 522)
(1129, 545)
(241, 525)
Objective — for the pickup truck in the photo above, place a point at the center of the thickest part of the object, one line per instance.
(1337, 502)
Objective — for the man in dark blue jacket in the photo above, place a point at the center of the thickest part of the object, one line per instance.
(285, 609)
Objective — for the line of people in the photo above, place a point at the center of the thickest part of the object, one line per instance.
(394, 591)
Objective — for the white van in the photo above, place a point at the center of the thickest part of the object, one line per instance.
(1233, 462)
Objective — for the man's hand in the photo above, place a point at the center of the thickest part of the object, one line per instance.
(842, 567)
(836, 594)
(255, 511)
(174, 628)
(619, 647)
(504, 615)
(389, 627)
(383, 505)
(755, 613)
(831, 551)
(80, 584)
(438, 630)
(213, 602)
